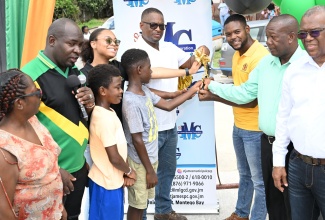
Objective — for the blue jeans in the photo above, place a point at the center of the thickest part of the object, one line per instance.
(167, 143)
(247, 146)
(306, 188)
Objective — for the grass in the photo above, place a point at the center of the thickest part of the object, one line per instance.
(92, 23)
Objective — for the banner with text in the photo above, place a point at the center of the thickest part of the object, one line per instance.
(188, 25)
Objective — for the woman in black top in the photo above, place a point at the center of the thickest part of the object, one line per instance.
(101, 48)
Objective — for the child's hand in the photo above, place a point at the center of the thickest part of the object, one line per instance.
(152, 179)
(133, 175)
(196, 87)
(128, 181)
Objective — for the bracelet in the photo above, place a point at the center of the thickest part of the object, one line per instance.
(93, 105)
(127, 174)
(187, 72)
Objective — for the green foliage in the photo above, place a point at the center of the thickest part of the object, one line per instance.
(92, 23)
(86, 9)
(66, 9)
(95, 6)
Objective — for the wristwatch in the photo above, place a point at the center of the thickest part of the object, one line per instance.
(187, 72)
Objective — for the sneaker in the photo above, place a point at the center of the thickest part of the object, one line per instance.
(171, 216)
(234, 216)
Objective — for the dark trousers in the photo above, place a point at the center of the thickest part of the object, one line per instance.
(72, 201)
(277, 203)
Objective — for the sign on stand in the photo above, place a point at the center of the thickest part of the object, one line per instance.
(189, 26)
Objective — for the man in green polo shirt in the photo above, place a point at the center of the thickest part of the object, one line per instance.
(59, 110)
(265, 83)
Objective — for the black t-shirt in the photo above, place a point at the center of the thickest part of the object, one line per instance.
(117, 107)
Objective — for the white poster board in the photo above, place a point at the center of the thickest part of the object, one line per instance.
(189, 26)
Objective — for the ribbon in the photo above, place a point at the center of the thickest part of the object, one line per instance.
(185, 81)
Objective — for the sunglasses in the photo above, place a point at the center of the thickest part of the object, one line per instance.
(109, 41)
(38, 93)
(313, 33)
(154, 26)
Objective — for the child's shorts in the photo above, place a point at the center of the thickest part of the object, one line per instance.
(138, 194)
(105, 204)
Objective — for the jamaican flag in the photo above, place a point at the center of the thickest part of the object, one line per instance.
(23, 29)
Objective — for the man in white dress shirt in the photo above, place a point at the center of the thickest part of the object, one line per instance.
(301, 119)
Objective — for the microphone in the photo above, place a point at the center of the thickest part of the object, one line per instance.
(74, 82)
(82, 79)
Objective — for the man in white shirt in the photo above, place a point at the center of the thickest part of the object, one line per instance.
(167, 55)
(301, 119)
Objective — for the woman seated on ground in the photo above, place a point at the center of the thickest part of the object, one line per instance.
(31, 185)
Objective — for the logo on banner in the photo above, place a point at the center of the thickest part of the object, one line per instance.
(189, 134)
(136, 3)
(174, 38)
(178, 153)
(184, 2)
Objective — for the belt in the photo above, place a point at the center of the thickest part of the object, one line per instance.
(271, 139)
(310, 160)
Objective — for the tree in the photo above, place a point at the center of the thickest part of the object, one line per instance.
(109, 9)
(92, 6)
(86, 9)
(66, 9)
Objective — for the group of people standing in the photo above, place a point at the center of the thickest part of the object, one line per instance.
(283, 137)
(45, 177)
(133, 137)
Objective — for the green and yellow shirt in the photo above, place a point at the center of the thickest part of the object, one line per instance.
(59, 110)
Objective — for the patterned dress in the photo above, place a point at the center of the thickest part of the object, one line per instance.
(39, 188)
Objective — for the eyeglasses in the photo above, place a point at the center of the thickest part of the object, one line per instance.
(154, 26)
(109, 41)
(313, 33)
(38, 93)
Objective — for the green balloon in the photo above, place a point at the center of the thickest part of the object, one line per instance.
(277, 2)
(320, 2)
(297, 10)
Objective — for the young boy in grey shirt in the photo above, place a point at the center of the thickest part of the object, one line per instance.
(141, 129)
